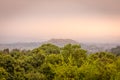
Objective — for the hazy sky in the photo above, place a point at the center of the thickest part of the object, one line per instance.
(38, 20)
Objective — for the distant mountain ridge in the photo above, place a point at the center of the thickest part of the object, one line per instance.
(32, 45)
(91, 48)
(62, 42)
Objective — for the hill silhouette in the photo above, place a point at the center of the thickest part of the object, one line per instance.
(61, 42)
(32, 45)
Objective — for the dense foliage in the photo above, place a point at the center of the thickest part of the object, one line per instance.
(50, 62)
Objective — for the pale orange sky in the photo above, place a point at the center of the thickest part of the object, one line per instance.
(89, 22)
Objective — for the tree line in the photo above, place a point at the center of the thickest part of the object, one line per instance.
(50, 62)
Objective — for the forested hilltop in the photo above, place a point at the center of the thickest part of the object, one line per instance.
(50, 62)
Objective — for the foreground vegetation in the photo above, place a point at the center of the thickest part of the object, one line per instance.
(50, 62)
